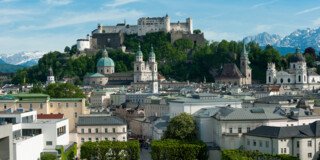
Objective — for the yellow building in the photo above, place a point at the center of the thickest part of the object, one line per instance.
(42, 103)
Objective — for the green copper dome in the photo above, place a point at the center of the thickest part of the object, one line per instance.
(152, 54)
(139, 53)
(105, 61)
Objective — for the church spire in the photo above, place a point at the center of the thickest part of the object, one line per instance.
(244, 51)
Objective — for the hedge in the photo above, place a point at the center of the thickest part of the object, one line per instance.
(253, 155)
(129, 150)
(170, 149)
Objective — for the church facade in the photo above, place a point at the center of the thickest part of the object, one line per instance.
(230, 73)
(296, 76)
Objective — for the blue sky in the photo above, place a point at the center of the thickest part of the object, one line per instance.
(46, 25)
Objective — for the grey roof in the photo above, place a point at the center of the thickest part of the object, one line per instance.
(227, 113)
(206, 112)
(100, 120)
(311, 130)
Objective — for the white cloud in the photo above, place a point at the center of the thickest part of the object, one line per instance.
(117, 3)
(308, 10)
(218, 36)
(267, 2)
(316, 22)
(58, 2)
(6, 1)
(76, 18)
(262, 28)
(6, 12)
(180, 14)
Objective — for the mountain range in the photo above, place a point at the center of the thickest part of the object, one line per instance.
(301, 38)
(14, 62)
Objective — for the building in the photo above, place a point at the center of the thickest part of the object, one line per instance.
(6, 142)
(146, 71)
(99, 127)
(199, 101)
(155, 106)
(224, 127)
(43, 104)
(299, 141)
(230, 73)
(101, 98)
(32, 136)
(296, 76)
(50, 77)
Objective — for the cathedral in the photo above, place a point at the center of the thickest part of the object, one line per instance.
(230, 73)
(146, 71)
(296, 76)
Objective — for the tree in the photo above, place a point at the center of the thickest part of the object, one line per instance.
(64, 90)
(67, 49)
(37, 88)
(196, 31)
(48, 156)
(310, 51)
(181, 127)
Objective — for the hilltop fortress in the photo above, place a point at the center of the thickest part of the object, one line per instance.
(113, 36)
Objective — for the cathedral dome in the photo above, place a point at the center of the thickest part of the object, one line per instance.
(105, 61)
(139, 53)
(297, 57)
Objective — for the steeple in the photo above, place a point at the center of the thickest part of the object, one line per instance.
(105, 53)
(244, 51)
(50, 71)
(139, 55)
(152, 55)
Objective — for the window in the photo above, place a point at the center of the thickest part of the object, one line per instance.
(298, 155)
(61, 130)
(97, 139)
(75, 114)
(41, 105)
(284, 150)
(248, 129)
(309, 155)
(269, 79)
(239, 130)
(106, 138)
(298, 144)
(137, 68)
(75, 104)
(289, 80)
(248, 142)
(124, 138)
(267, 144)
(114, 130)
(59, 105)
(254, 143)
(123, 129)
(114, 139)
(281, 80)
(106, 130)
(20, 105)
(299, 78)
(82, 140)
(51, 105)
(49, 143)
(89, 130)
(31, 106)
(309, 144)
(281, 150)
(260, 143)
(230, 130)
(97, 130)
(90, 139)
(67, 104)
(82, 130)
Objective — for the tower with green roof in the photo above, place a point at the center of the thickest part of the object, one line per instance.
(105, 64)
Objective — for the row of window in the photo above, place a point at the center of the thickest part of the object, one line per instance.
(61, 130)
(254, 143)
(106, 130)
(97, 139)
(41, 105)
(239, 130)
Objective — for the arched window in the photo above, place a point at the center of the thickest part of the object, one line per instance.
(289, 80)
(281, 80)
(107, 70)
(299, 78)
(304, 78)
(269, 79)
(137, 68)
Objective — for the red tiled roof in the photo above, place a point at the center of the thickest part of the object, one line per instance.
(50, 116)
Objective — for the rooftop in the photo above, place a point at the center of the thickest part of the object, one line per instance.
(50, 116)
(99, 120)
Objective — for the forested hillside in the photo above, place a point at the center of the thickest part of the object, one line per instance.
(180, 61)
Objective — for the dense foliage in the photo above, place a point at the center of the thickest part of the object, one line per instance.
(253, 155)
(181, 60)
(70, 153)
(181, 127)
(59, 90)
(48, 156)
(129, 150)
(178, 150)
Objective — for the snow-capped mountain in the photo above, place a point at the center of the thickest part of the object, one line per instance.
(23, 58)
(264, 39)
(299, 38)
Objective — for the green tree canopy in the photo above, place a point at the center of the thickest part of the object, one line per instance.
(181, 127)
(64, 90)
